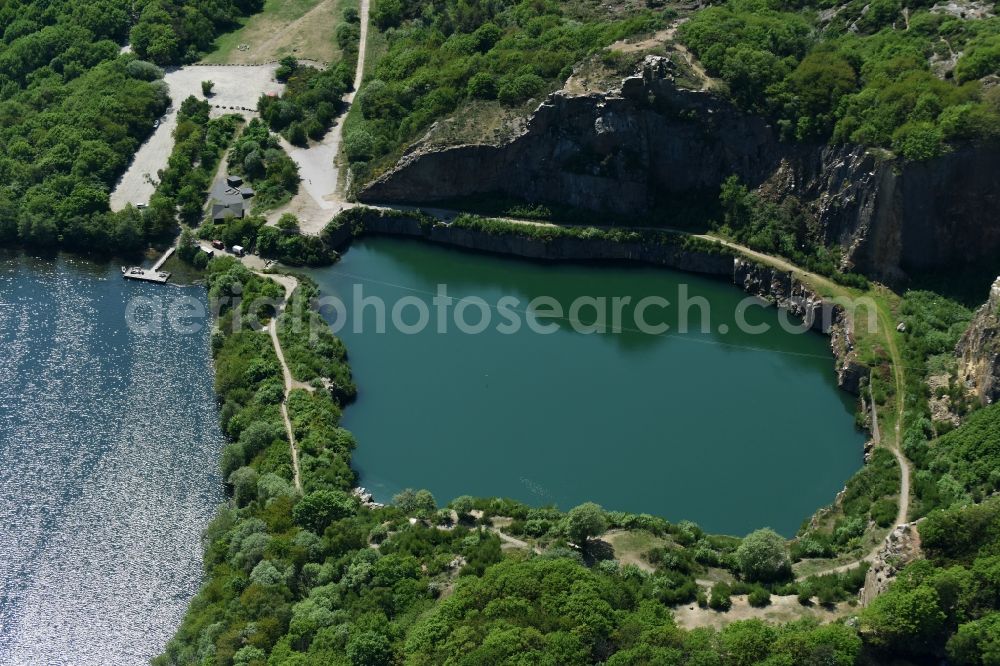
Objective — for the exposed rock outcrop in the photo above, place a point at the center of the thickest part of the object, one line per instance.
(979, 350)
(783, 290)
(618, 151)
(669, 255)
(901, 547)
(650, 143)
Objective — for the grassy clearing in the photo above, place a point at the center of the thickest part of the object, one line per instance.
(304, 29)
(630, 546)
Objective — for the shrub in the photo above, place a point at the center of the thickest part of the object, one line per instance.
(762, 556)
(316, 510)
(759, 597)
(719, 598)
(144, 71)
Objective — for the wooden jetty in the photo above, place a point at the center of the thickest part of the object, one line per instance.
(162, 260)
(153, 274)
(144, 274)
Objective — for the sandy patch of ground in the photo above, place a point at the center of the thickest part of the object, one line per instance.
(657, 40)
(236, 89)
(781, 609)
(301, 28)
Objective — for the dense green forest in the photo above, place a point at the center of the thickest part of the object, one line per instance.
(855, 72)
(73, 111)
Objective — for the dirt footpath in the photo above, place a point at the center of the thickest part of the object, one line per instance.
(781, 609)
(235, 86)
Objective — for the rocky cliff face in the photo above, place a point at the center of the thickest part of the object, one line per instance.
(637, 148)
(901, 547)
(787, 293)
(618, 151)
(979, 350)
(717, 263)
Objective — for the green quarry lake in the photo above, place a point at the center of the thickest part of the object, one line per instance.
(732, 430)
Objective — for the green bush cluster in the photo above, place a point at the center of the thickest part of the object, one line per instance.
(257, 156)
(198, 146)
(946, 605)
(311, 101)
(167, 32)
(829, 589)
(288, 246)
(962, 465)
(934, 324)
(311, 350)
(313, 97)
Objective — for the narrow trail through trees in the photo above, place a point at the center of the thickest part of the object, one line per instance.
(289, 284)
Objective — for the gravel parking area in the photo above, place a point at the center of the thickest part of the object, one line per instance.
(237, 88)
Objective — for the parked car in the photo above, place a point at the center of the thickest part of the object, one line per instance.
(238, 250)
(156, 123)
(218, 245)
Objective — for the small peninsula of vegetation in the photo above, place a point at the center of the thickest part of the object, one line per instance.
(257, 156)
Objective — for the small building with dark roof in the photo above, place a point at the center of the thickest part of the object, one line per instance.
(228, 198)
